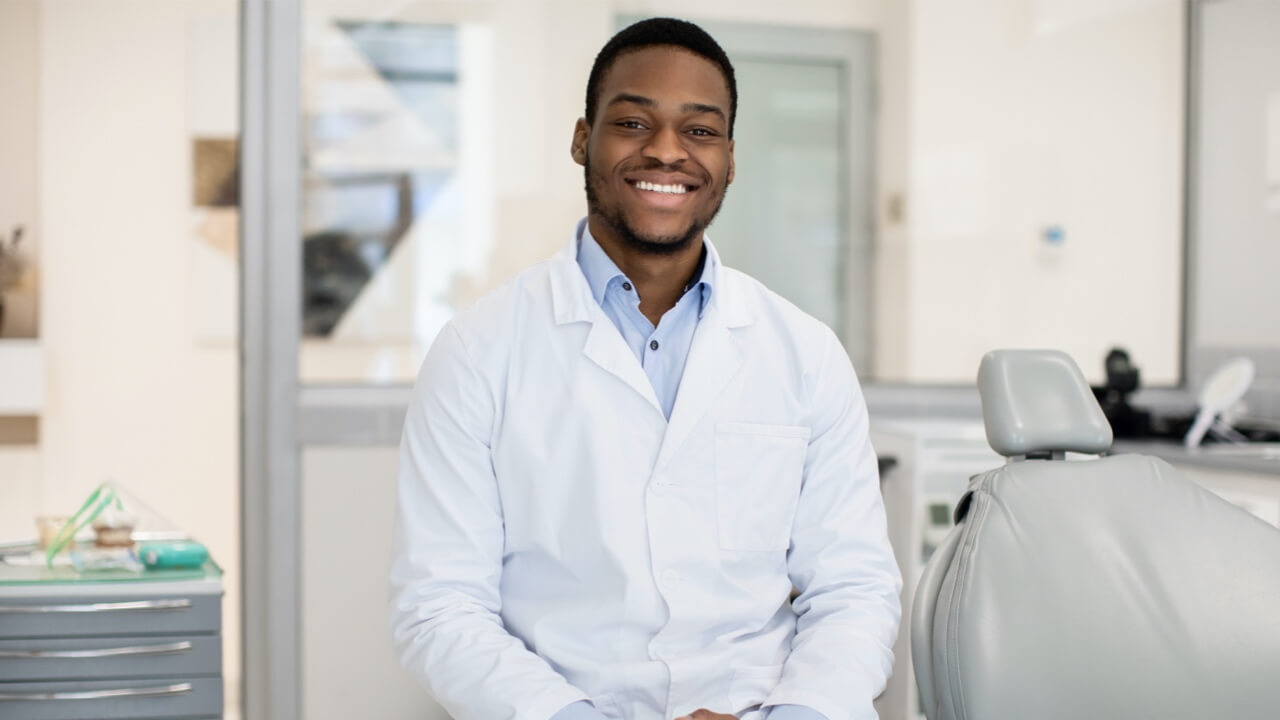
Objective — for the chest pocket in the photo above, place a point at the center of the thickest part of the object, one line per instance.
(758, 473)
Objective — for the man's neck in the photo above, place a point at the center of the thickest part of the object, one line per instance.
(660, 280)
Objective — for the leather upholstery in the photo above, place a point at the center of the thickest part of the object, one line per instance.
(1103, 589)
(1038, 401)
(1110, 589)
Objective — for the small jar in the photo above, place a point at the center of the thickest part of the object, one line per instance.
(48, 527)
(114, 528)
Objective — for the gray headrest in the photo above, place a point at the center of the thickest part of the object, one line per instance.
(1036, 401)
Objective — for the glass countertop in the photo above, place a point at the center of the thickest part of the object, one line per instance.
(24, 564)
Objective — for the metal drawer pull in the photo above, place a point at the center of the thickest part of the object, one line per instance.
(178, 689)
(99, 607)
(169, 649)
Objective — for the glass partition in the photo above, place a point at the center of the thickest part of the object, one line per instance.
(387, 253)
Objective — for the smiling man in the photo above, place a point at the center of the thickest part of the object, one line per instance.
(635, 483)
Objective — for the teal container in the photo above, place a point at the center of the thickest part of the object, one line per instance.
(172, 555)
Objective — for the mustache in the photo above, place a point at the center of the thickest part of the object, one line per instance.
(680, 168)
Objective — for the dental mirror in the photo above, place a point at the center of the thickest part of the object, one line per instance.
(1220, 392)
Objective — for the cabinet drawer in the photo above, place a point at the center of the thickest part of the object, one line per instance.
(110, 657)
(112, 700)
(109, 615)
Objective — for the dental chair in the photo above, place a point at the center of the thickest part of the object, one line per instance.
(1108, 588)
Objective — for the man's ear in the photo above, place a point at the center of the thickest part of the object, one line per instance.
(578, 148)
(730, 179)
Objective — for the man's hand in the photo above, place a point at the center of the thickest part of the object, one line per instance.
(705, 714)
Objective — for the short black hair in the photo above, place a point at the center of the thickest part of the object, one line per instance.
(656, 32)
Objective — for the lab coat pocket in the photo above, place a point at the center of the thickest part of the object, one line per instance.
(758, 472)
(751, 686)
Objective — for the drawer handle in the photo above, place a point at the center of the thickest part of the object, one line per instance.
(169, 649)
(99, 607)
(178, 689)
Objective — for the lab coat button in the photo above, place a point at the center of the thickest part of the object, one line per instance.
(658, 487)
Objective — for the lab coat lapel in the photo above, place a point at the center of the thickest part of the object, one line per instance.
(573, 302)
(714, 359)
(606, 348)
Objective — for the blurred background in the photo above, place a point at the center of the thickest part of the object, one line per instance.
(231, 230)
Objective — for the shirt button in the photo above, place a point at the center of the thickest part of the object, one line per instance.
(626, 286)
(653, 344)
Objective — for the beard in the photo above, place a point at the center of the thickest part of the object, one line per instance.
(648, 244)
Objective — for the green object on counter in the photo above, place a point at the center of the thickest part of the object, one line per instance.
(100, 499)
(172, 555)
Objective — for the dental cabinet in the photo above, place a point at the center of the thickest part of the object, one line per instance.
(108, 644)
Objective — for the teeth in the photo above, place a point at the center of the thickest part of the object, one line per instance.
(654, 187)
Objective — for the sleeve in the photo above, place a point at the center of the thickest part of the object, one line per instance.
(581, 710)
(840, 560)
(794, 712)
(447, 550)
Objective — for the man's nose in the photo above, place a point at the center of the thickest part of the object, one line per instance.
(666, 146)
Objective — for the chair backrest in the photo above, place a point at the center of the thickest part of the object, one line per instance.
(1108, 588)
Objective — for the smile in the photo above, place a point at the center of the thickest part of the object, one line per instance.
(668, 189)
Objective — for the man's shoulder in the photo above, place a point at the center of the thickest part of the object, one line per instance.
(800, 351)
(510, 302)
(767, 307)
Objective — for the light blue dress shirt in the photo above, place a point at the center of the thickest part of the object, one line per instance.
(662, 352)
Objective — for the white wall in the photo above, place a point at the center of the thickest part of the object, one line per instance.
(1025, 114)
(893, 281)
(1238, 186)
(1236, 306)
(855, 14)
(131, 395)
(348, 666)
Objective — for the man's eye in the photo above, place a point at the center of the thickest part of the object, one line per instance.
(702, 132)
(631, 124)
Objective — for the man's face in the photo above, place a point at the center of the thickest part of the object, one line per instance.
(657, 156)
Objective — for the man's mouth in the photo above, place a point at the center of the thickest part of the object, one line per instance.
(672, 189)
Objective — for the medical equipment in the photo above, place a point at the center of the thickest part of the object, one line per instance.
(1123, 379)
(1219, 394)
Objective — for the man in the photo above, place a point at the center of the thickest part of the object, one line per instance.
(617, 467)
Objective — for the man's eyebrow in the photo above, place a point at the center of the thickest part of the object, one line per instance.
(700, 108)
(690, 108)
(633, 99)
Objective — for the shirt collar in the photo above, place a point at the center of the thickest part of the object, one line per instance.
(596, 265)
(601, 271)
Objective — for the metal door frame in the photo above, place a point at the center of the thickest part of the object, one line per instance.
(270, 293)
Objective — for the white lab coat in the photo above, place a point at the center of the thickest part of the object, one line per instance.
(557, 539)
